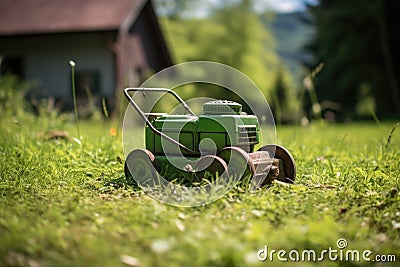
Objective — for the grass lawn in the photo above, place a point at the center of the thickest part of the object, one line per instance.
(66, 203)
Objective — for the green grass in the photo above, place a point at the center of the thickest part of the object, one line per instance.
(66, 203)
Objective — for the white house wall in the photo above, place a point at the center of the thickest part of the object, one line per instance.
(46, 58)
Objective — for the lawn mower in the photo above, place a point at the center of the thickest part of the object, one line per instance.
(219, 142)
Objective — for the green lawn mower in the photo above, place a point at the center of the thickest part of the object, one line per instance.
(219, 142)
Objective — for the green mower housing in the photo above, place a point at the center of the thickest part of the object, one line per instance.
(222, 122)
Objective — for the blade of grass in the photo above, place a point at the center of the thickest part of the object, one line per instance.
(72, 64)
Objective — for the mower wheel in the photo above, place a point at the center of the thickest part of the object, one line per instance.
(289, 165)
(139, 166)
(214, 165)
(239, 163)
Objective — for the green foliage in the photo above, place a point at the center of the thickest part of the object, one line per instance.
(12, 93)
(233, 35)
(358, 42)
(175, 8)
(284, 103)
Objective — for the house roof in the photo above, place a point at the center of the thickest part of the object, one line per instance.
(19, 17)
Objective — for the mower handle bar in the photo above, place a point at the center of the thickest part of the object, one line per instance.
(144, 117)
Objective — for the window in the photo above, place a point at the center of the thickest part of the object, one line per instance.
(12, 65)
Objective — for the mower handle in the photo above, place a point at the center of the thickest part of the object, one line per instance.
(169, 91)
(144, 117)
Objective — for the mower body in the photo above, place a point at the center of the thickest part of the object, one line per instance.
(222, 140)
(222, 124)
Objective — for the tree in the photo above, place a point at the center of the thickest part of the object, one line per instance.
(232, 34)
(358, 43)
(173, 9)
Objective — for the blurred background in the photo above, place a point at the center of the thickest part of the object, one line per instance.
(312, 59)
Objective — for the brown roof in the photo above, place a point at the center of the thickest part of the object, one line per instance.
(52, 16)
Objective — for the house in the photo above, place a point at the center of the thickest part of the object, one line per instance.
(113, 43)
